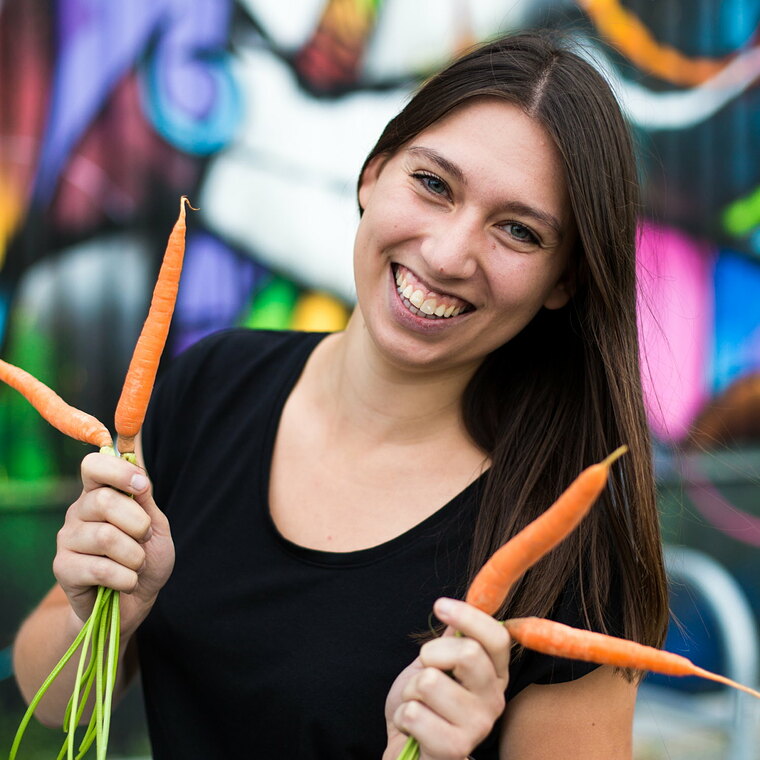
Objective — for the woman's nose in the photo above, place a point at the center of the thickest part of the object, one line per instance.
(452, 248)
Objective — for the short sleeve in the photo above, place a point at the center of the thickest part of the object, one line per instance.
(533, 667)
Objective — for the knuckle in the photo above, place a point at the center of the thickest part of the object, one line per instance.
(427, 681)
(105, 537)
(139, 561)
(499, 703)
(100, 571)
(411, 712)
(59, 566)
(470, 651)
(503, 639)
(103, 498)
(132, 581)
(144, 525)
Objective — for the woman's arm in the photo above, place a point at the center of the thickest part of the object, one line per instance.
(588, 719)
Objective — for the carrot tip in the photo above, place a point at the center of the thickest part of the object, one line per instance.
(185, 200)
(616, 454)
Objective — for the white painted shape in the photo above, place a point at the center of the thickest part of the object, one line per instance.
(297, 228)
(288, 23)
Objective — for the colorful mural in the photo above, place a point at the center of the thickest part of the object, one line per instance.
(262, 113)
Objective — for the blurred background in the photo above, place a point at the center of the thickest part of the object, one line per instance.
(262, 112)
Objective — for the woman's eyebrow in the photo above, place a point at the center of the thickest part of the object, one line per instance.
(515, 207)
(443, 163)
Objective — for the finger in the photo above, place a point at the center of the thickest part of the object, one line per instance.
(78, 571)
(106, 470)
(435, 735)
(106, 540)
(476, 624)
(465, 659)
(107, 505)
(442, 695)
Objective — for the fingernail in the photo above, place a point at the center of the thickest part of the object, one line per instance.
(148, 535)
(444, 606)
(138, 482)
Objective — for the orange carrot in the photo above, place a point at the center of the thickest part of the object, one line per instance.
(141, 375)
(493, 582)
(66, 418)
(558, 640)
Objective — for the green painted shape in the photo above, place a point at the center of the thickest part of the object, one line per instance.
(743, 215)
(272, 306)
(26, 439)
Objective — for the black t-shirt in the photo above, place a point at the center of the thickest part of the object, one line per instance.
(258, 647)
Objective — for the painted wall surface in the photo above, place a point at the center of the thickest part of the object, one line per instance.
(262, 113)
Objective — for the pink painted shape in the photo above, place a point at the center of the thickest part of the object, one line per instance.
(675, 305)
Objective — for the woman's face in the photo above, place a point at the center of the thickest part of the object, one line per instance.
(465, 235)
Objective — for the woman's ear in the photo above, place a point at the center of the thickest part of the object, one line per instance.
(369, 178)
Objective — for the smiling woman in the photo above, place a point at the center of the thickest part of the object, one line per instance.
(325, 492)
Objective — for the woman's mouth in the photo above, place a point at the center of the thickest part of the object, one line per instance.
(423, 302)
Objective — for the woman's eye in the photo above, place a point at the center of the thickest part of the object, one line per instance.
(520, 232)
(432, 183)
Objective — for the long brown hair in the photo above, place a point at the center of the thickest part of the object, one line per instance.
(566, 391)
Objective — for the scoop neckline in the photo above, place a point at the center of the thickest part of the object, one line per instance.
(355, 557)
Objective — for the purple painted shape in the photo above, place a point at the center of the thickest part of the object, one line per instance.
(186, 78)
(676, 322)
(216, 285)
(99, 43)
(717, 510)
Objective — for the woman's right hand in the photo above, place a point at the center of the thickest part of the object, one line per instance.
(109, 539)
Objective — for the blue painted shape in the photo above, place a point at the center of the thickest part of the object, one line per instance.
(697, 638)
(6, 663)
(190, 94)
(736, 350)
(737, 22)
(5, 302)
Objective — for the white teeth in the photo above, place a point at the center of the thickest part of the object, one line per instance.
(415, 301)
(417, 298)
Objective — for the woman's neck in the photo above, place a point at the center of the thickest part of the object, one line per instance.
(372, 401)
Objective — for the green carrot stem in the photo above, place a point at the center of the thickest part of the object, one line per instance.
(411, 750)
(41, 691)
(88, 677)
(89, 625)
(105, 620)
(112, 664)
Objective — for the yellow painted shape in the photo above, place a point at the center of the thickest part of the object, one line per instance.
(10, 213)
(319, 312)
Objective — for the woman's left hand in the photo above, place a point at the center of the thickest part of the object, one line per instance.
(450, 697)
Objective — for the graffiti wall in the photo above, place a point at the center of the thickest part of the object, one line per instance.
(262, 112)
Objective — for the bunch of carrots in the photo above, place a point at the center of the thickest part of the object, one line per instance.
(495, 579)
(99, 637)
